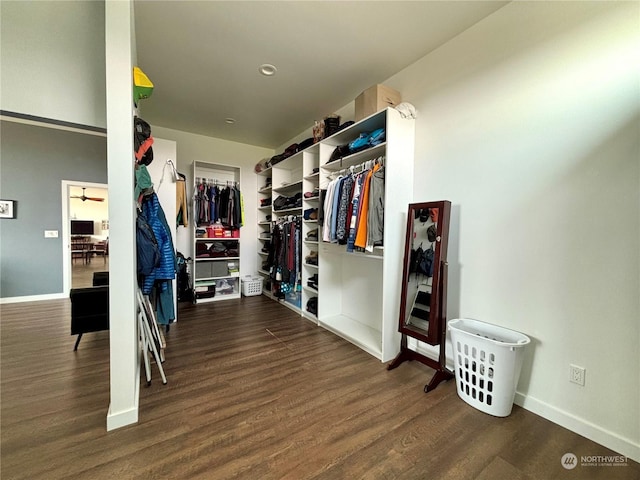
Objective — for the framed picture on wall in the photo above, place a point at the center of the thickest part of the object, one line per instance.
(8, 208)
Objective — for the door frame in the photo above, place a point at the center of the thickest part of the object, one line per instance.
(66, 234)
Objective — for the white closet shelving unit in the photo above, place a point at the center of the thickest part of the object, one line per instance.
(221, 272)
(310, 184)
(359, 292)
(265, 222)
(286, 178)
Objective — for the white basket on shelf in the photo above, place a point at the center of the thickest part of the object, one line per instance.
(488, 360)
(251, 286)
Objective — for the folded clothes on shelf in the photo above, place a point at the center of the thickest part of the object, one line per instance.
(314, 193)
(310, 214)
(283, 202)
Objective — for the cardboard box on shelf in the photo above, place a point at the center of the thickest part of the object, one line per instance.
(374, 99)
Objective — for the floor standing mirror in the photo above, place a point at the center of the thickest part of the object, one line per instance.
(424, 287)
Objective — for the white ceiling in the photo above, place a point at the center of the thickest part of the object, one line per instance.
(203, 58)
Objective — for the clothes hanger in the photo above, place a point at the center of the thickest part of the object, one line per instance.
(176, 177)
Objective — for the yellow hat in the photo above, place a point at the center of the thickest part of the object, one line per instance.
(142, 86)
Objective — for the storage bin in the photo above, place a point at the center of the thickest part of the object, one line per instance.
(488, 360)
(251, 286)
(233, 268)
(203, 270)
(219, 269)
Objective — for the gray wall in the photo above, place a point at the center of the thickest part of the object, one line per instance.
(53, 60)
(33, 162)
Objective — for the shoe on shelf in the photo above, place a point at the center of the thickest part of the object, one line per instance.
(312, 305)
(312, 234)
(313, 281)
(312, 258)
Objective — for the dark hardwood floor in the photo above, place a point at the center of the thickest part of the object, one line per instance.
(255, 392)
(82, 272)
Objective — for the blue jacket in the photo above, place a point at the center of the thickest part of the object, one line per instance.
(166, 270)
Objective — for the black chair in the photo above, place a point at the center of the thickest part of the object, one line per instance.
(89, 311)
(100, 279)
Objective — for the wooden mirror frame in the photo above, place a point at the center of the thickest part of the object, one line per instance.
(435, 332)
(437, 307)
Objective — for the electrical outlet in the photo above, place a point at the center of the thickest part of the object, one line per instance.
(576, 374)
(51, 234)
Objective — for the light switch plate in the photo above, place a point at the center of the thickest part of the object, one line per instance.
(51, 234)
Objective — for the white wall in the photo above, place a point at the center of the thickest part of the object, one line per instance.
(528, 122)
(193, 147)
(123, 333)
(46, 70)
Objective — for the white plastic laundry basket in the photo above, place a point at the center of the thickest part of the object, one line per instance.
(488, 360)
(251, 286)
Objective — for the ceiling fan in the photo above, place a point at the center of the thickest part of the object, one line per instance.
(83, 197)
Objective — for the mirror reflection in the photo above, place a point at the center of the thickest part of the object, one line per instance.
(423, 301)
(418, 301)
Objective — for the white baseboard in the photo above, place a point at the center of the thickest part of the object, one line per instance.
(33, 298)
(617, 443)
(595, 433)
(130, 416)
(121, 419)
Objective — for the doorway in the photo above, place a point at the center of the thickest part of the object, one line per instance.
(85, 232)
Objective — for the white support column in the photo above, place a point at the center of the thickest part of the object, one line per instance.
(123, 333)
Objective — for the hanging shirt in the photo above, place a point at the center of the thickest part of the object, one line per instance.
(375, 230)
(342, 224)
(334, 209)
(328, 208)
(181, 203)
(361, 235)
(354, 215)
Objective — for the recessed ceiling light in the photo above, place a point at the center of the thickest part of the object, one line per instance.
(267, 69)
(230, 121)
